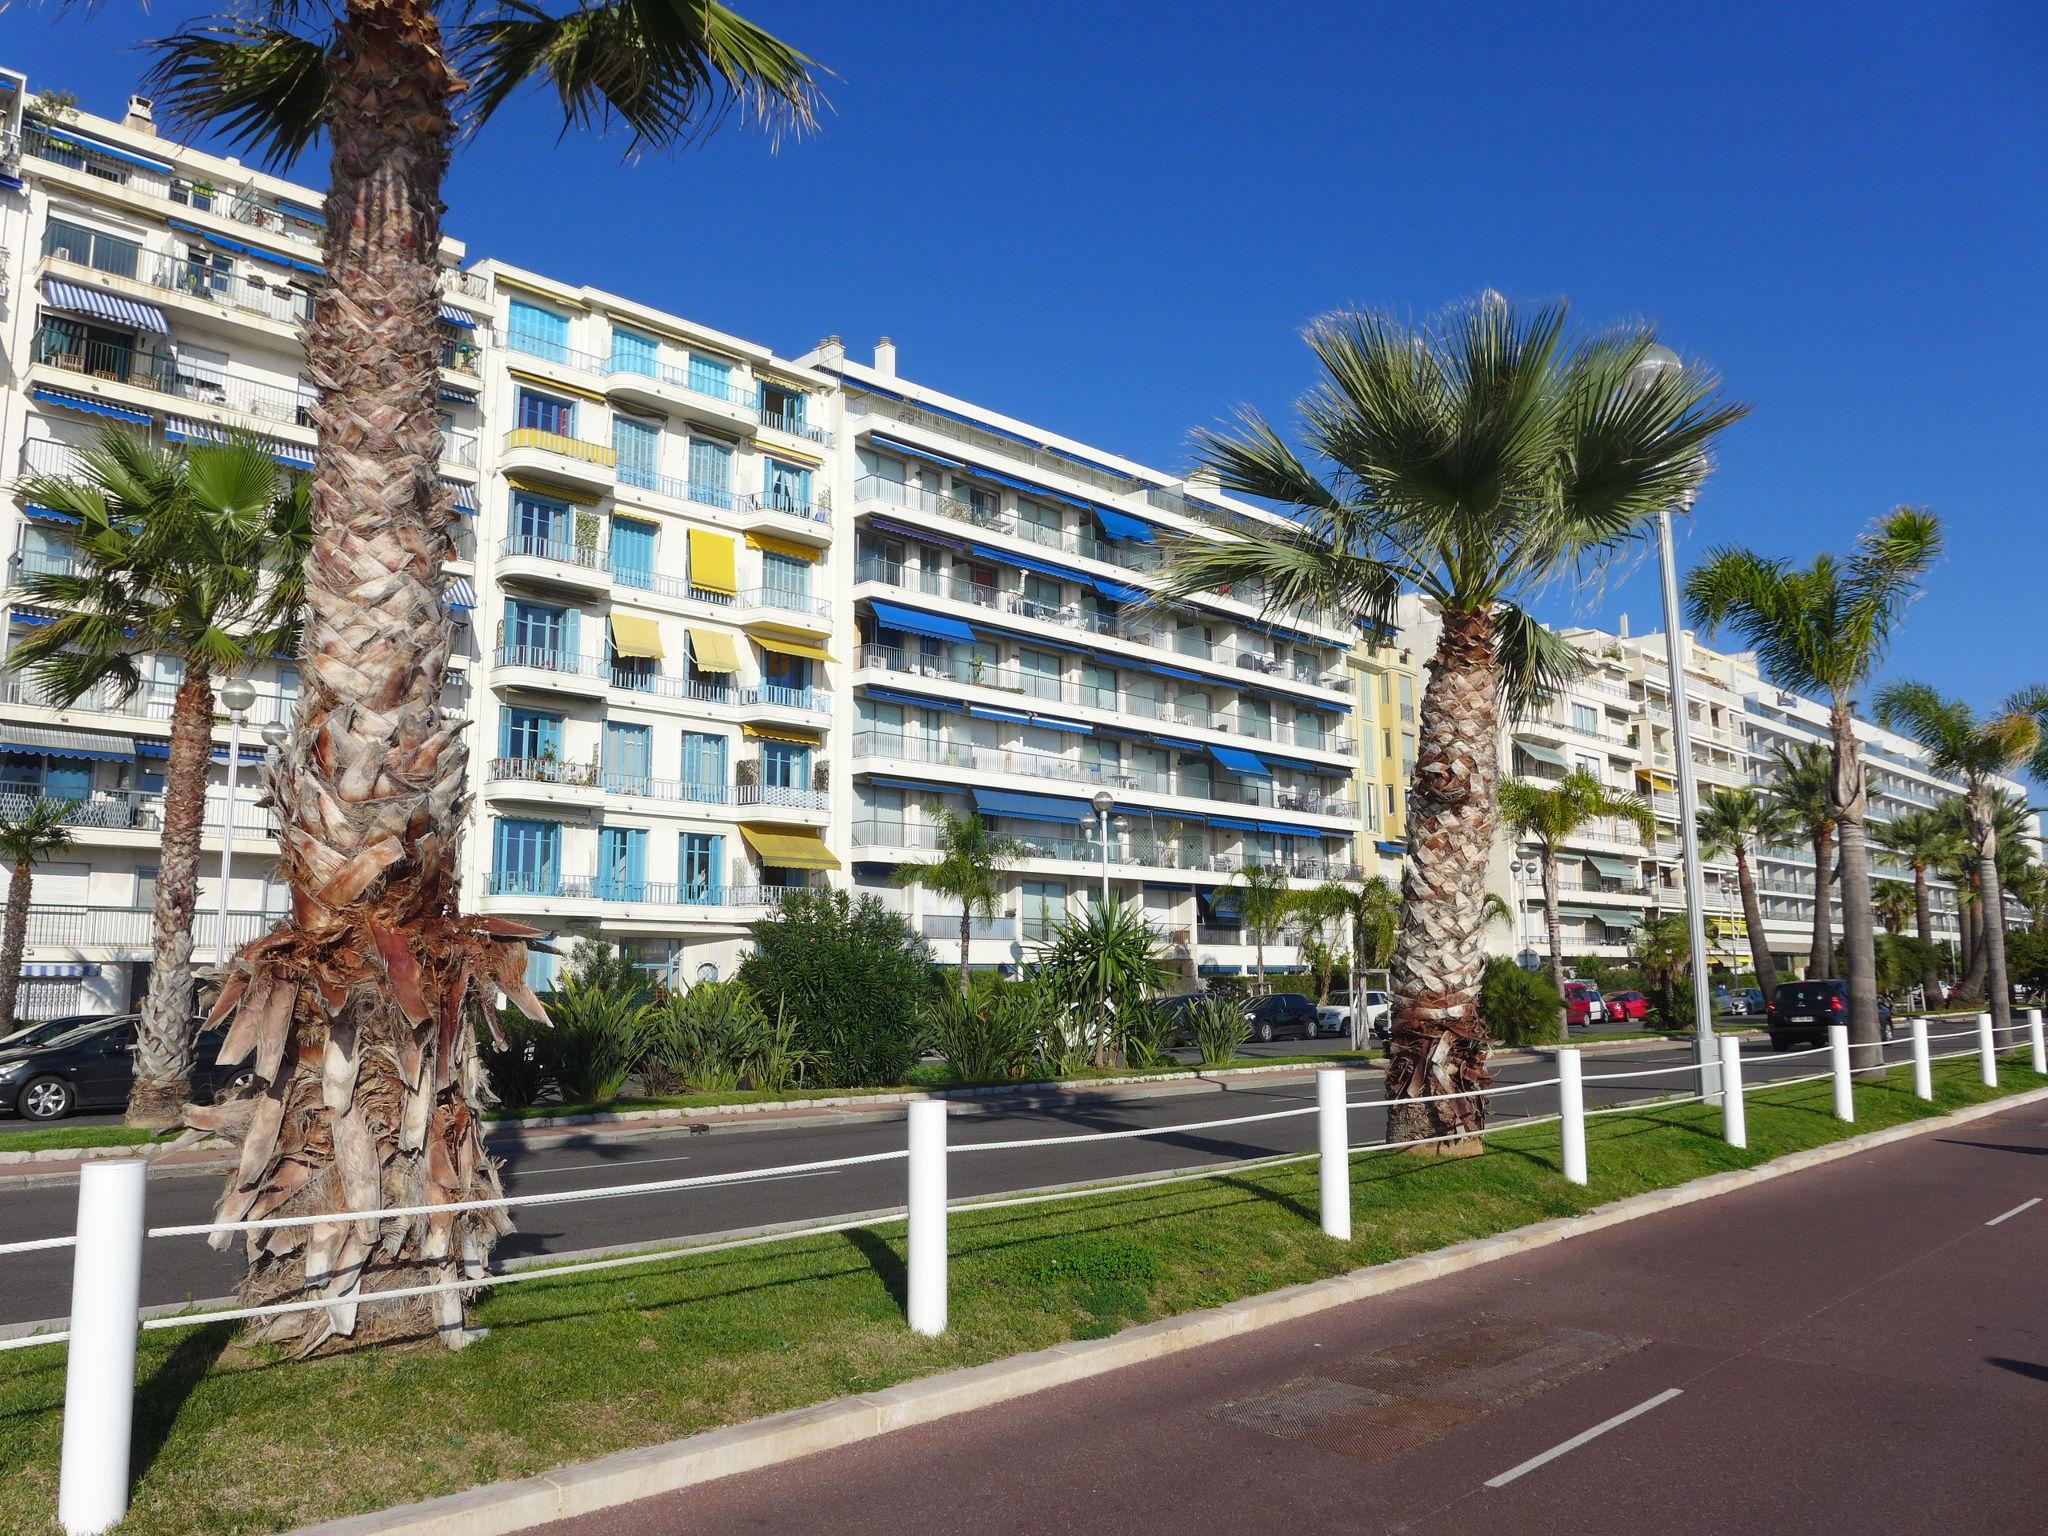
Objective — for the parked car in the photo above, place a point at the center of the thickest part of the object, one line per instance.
(92, 1066)
(1283, 1013)
(1627, 1007)
(1583, 1004)
(50, 1029)
(1801, 1012)
(1176, 1016)
(1749, 1002)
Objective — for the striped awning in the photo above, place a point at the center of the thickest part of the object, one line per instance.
(178, 429)
(53, 741)
(90, 406)
(58, 968)
(459, 593)
(450, 315)
(77, 299)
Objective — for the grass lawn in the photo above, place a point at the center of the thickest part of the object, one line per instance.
(39, 1138)
(232, 1440)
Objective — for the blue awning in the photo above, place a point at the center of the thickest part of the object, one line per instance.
(51, 968)
(458, 593)
(1032, 638)
(1117, 591)
(1284, 829)
(301, 211)
(1121, 525)
(465, 497)
(36, 512)
(1237, 760)
(1396, 848)
(249, 754)
(981, 712)
(152, 749)
(77, 299)
(916, 786)
(125, 156)
(456, 394)
(1181, 742)
(90, 406)
(450, 315)
(243, 248)
(917, 699)
(54, 741)
(1234, 823)
(933, 626)
(1043, 567)
(1003, 802)
(921, 535)
(895, 445)
(1186, 677)
(1073, 726)
(30, 618)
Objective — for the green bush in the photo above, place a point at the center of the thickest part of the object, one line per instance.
(1107, 963)
(851, 976)
(1219, 1028)
(1518, 1007)
(517, 1071)
(712, 1038)
(995, 1033)
(594, 1039)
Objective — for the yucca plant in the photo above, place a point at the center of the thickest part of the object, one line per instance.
(707, 1037)
(1220, 1030)
(991, 1035)
(596, 1037)
(1104, 962)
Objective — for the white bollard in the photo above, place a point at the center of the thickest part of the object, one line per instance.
(2034, 1039)
(1734, 1119)
(927, 1266)
(1838, 1055)
(1923, 1065)
(1333, 1143)
(1987, 1053)
(99, 1375)
(1571, 1103)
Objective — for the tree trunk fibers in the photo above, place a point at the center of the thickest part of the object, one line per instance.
(1848, 801)
(163, 1041)
(1439, 1042)
(1759, 942)
(966, 938)
(14, 939)
(1553, 927)
(358, 1015)
(1820, 962)
(1923, 918)
(1977, 810)
(1971, 983)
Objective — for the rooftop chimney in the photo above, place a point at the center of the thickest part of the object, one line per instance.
(1624, 626)
(885, 358)
(141, 115)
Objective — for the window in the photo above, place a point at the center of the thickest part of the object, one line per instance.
(711, 376)
(704, 775)
(526, 858)
(1255, 717)
(1585, 719)
(1039, 671)
(1191, 640)
(884, 819)
(1042, 593)
(207, 271)
(632, 551)
(542, 527)
(1308, 728)
(145, 888)
(637, 445)
(785, 574)
(628, 752)
(781, 407)
(788, 672)
(538, 629)
(538, 332)
(710, 472)
(529, 734)
(786, 765)
(91, 248)
(634, 353)
(785, 487)
(1041, 524)
(622, 864)
(547, 413)
(1044, 905)
(702, 866)
(1098, 685)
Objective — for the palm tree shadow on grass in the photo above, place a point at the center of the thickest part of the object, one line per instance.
(161, 1396)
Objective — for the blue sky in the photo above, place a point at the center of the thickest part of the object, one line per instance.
(1114, 219)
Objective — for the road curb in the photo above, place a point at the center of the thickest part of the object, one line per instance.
(627, 1476)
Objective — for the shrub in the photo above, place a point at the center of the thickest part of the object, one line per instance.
(1518, 1007)
(994, 1034)
(1106, 963)
(852, 979)
(517, 1071)
(706, 1038)
(595, 1037)
(1219, 1028)
(596, 963)
(1140, 1031)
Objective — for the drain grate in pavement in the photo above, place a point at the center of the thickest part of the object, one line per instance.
(1383, 1405)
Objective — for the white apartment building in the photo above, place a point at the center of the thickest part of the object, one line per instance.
(1008, 656)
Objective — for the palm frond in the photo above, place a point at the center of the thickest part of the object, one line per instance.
(1536, 664)
(260, 85)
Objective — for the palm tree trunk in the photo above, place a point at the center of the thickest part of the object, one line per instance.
(1820, 961)
(1923, 917)
(1753, 914)
(14, 939)
(1553, 925)
(1438, 1042)
(1971, 982)
(966, 937)
(358, 1013)
(163, 1039)
(1859, 927)
(1990, 909)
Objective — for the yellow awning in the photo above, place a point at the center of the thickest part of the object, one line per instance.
(634, 635)
(782, 647)
(714, 562)
(780, 733)
(714, 650)
(1657, 780)
(789, 849)
(788, 547)
(792, 456)
(542, 381)
(577, 494)
(545, 293)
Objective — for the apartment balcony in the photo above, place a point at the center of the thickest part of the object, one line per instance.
(773, 699)
(536, 561)
(1622, 892)
(792, 426)
(1082, 856)
(809, 521)
(781, 797)
(209, 298)
(150, 703)
(543, 781)
(796, 610)
(144, 379)
(725, 400)
(124, 933)
(546, 669)
(683, 690)
(943, 928)
(574, 461)
(40, 562)
(141, 813)
(551, 893)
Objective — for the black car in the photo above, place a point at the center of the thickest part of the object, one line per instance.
(1801, 1011)
(93, 1066)
(1177, 1016)
(1284, 1013)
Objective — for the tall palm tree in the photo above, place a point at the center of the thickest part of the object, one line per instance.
(355, 1008)
(1925, 839)
(1549, 814)
(1736, 822)
(1663, 946)
(1313, 912)
(29, 835)
(1979, 750)
(1892, 901)
(1801, 787)
(969, 868)
(1372, 912)
(1820, 629)
(1471, 459)
(188, 552)
(1263, 901)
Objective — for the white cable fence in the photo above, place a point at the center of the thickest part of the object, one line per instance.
(111, 1235)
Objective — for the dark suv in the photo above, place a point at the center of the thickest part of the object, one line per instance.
(1801, 1011)
(1284, 1013)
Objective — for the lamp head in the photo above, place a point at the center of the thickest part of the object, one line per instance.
(1656, 361)
(236, 696)
(1102, 802)
(275, 734)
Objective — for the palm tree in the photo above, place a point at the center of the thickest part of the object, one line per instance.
(969, 868)
(1925, 839)
(1313, 911)
(1820, 629)
(1892, 901)
(29, 835)
(1372, 912)
(1979, 750)
(189, 552)
(1470, 459)
(1735, 822)
(1108, 959)
(1547, 815)
(1663, 945)
(1263, 901)
(377, 966)
(1801, 783)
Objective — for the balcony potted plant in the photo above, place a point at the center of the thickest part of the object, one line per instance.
(746, 773)
(821, 777)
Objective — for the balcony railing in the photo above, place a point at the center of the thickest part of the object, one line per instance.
(166, 375)
(244, 205)
(549, 885)
(122, 928)
(775, 696)
(150, 701)
(788, 602)
(576, 448)
(782, 797)
(546, 658)
(1190, 854)
(819, 511)
(937, 925)
(127, 810)
(795, 426)
(536, 547)
(288, 304)
(894, 493)
(41, 562)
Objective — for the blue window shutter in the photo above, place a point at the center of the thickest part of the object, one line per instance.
(549, 734)
(634, 353)
(637, 447)
(572, 632)
(709, 376)
(710, 465)
(538, 332)
(632, 546)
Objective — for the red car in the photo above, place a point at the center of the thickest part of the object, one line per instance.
(1631, 1007)
(1582, 1005)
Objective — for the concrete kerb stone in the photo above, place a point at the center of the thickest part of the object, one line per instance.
(645, 1472)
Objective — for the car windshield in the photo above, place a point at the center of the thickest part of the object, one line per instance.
(82, 1033)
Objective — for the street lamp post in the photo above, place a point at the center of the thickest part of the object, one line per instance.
(235, 697)
(1102, 802)
(1656, 361)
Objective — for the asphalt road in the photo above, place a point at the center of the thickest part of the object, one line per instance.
(36, 1286)
(1860, 1348)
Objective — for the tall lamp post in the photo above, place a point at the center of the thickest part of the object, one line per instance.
(1656, 362)
(236, 697)
(1103, 802)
